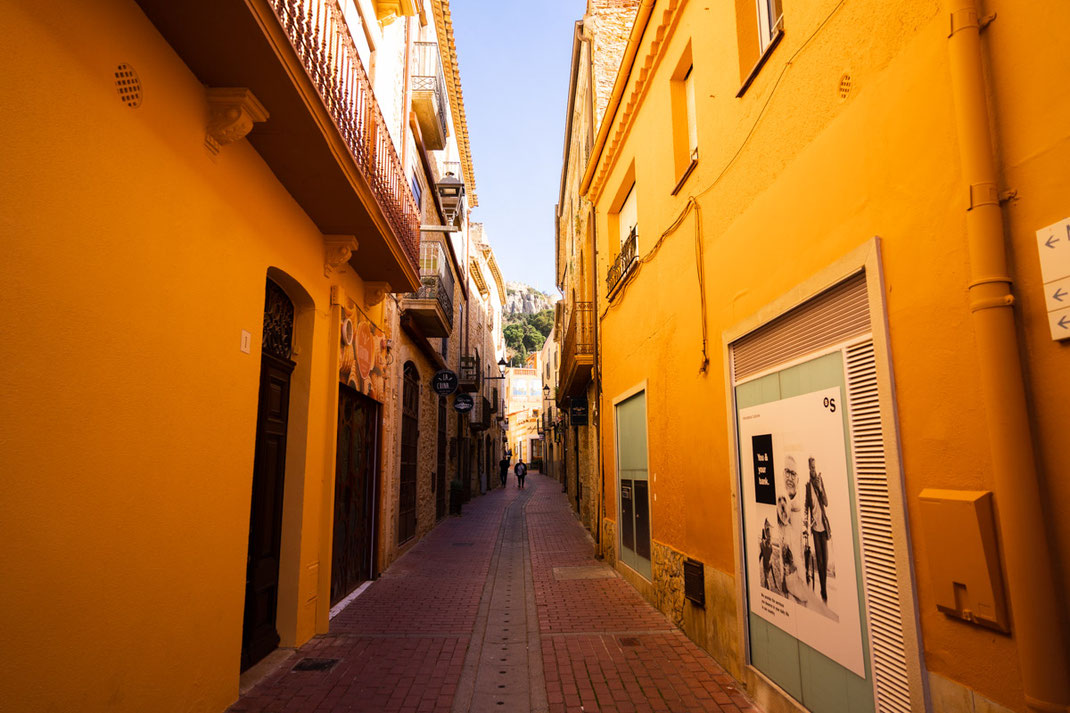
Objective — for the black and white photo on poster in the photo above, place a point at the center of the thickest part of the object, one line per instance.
(800, 554)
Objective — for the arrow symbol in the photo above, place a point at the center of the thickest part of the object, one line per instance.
(1051, 239)
(1059, 294)
(1063, 322)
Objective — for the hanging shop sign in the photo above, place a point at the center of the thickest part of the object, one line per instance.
(463, 403)
(444, 382)
(797, 516)
(577, 412)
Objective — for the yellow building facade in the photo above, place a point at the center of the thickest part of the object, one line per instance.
(819, 280)
(234, 238)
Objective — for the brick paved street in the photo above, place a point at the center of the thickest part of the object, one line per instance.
(433, 633)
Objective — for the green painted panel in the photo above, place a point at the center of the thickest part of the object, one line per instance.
(759, 391)
(776, 654)
(631, 436)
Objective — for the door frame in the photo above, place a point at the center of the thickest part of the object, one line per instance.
(866, 257)
(641, 387)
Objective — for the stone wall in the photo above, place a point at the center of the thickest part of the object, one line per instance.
(609, 23)
(609, 541)
(668, 568)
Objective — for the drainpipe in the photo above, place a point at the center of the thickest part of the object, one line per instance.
(1038, 619)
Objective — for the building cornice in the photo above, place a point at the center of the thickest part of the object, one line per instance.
(447, 48)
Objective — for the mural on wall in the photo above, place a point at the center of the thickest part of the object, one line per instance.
(365, 353)
(797, 507)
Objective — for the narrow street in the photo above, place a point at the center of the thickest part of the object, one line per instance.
(504, 608)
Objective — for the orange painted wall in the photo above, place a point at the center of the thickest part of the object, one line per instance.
(790, 178)
(133, 259)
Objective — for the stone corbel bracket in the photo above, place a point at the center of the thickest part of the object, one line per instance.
(337, 251)
(232, 113)
(374, 292)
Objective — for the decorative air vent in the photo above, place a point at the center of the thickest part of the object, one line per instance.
(695, 582)
(129, 85)
(845, 85)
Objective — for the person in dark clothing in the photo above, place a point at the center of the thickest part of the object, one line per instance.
(503, 466)
(818, 521)
(521, 470)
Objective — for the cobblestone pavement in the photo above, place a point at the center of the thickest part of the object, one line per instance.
(426, 636)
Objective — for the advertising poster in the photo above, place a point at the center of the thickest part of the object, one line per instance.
(798, 524)
(363, 357)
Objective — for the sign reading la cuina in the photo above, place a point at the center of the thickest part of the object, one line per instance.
(463, 403)
(444, 382)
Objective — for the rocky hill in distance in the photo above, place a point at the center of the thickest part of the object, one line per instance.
(524, 299)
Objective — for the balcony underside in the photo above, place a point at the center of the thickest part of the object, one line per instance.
(575, 374)
(231, 43)
(425, 105)
(427, 314)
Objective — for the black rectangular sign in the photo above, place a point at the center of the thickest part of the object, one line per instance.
(764, 483)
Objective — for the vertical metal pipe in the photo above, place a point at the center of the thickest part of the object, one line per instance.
(1039, 621)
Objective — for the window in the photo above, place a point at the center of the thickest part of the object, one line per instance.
(417, 191)
(759, 27)
(684, 118)
(628, 217)
(769, 16)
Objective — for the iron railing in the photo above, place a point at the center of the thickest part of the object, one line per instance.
(579, 334)
(427, 77)
(433, 287)
(320, 36)
(469, 373)
(624, 260)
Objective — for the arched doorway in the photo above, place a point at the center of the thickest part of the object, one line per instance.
(259, 633)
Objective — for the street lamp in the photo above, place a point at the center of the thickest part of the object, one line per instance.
(450, 192)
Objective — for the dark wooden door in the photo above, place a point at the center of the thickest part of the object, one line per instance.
(356, 478)
(440, 466)
(259, 636)
(410, 433)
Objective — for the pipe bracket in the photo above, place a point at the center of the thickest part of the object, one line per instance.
(992, 303)
(963, 19)
(985, 193)
(990, 280)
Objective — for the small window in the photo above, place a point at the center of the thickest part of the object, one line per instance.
(417, 191)
(769, 16)
(684, 118)
(628, 218)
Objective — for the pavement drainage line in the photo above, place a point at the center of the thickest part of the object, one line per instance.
(496, 675)
(536, 675)
(462, 698)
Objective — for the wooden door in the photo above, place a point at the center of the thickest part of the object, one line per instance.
(410, 424)
(259, 636)
(440, 466)
(356, 477)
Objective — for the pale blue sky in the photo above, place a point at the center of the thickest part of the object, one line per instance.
(514, 60)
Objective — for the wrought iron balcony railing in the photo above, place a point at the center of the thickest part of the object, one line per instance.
(320, 36)
(579, 334)
(624, 260)
(433, 287)
(427, 77)
(468, 379)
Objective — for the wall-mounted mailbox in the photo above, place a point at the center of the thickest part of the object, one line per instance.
(960, 539)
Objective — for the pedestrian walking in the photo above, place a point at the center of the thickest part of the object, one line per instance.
(521, 470)
(503, 466)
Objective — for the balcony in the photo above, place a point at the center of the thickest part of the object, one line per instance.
(429, 95)
(325, 137)
(479, 416)
(623, 263)
(577, 350)
(468, 379)
(431, 307)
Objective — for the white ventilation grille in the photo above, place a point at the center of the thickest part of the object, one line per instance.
(832, 317)
(884, 612)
